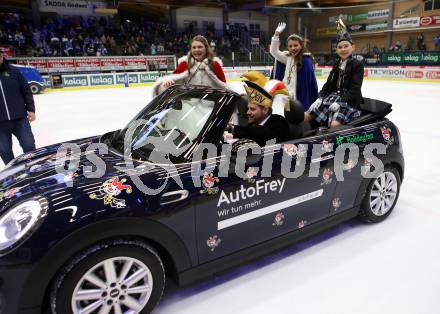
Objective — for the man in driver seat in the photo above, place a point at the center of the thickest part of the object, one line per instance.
(263, 125)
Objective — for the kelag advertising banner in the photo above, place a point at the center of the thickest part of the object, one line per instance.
(76, 81)
(84, 80)
(412, 58)
(96, 80)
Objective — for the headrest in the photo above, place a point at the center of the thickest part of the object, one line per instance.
(296, 113)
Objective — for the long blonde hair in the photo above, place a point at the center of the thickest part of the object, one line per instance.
(209, 52)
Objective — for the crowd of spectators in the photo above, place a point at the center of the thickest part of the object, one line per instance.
(411, 45)
(158, 38)
(62, 36)
(73, 36)
(437, 42)
(12, 31)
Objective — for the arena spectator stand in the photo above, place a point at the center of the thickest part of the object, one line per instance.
(77, 36)
(66, 36)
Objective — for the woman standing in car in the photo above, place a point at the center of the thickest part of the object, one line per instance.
(294, 67)
(199, 67)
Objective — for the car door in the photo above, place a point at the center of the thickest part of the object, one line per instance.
(353, 168)
(233, 213)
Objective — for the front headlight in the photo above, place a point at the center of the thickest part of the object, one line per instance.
(19, 222)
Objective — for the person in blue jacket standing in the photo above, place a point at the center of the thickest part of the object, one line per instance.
(294, 67)
(17, 110)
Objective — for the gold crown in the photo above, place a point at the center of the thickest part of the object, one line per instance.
(257, 95)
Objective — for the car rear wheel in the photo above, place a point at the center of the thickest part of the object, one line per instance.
(113, 277)
(35, 88)
(381, 196)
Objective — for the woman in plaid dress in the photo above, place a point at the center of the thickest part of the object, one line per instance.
(340, 97)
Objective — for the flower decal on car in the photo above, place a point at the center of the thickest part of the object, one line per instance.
(367, 166)
(327, 147)
(213, 242)
(336, 203)
(302, 223)
(386, 133)
(279, 219)
(349, 165)
(111, 188)
(302, 151)
(250, 174)
(208, 182)
(9, 193)
(290, 149)
(327, 176)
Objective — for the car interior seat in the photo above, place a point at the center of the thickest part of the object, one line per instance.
(295, 118)
(372, 110)
(241, 111)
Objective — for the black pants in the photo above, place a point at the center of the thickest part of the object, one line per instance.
(21, 128)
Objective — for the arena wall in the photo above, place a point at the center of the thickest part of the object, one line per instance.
(106, 80)
(321, 28)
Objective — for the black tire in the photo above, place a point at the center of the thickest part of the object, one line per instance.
(370, 213)
(71, 276)
(35, 88)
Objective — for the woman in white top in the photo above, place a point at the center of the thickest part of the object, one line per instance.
(199, 67)
(295, 68)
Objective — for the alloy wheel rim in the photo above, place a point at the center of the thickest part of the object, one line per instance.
(383, 193)
(120, 285)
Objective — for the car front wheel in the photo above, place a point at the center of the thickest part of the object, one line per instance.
(381, 196)
(119, 276)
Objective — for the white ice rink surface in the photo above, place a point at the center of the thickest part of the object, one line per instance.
(391, 267)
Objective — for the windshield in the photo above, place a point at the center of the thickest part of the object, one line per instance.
(167, 126)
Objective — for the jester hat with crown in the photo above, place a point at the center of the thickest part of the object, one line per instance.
(265, 92)
(342, 34)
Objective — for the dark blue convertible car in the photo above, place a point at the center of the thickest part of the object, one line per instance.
(95, 225)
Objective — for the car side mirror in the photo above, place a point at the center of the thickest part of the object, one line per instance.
(244, 152)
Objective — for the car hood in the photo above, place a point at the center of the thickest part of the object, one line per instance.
(38, 174)
(39, 171)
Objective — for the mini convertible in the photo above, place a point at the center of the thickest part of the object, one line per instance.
(91, 229)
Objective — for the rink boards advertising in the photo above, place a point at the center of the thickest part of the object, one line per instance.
(389, 73)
